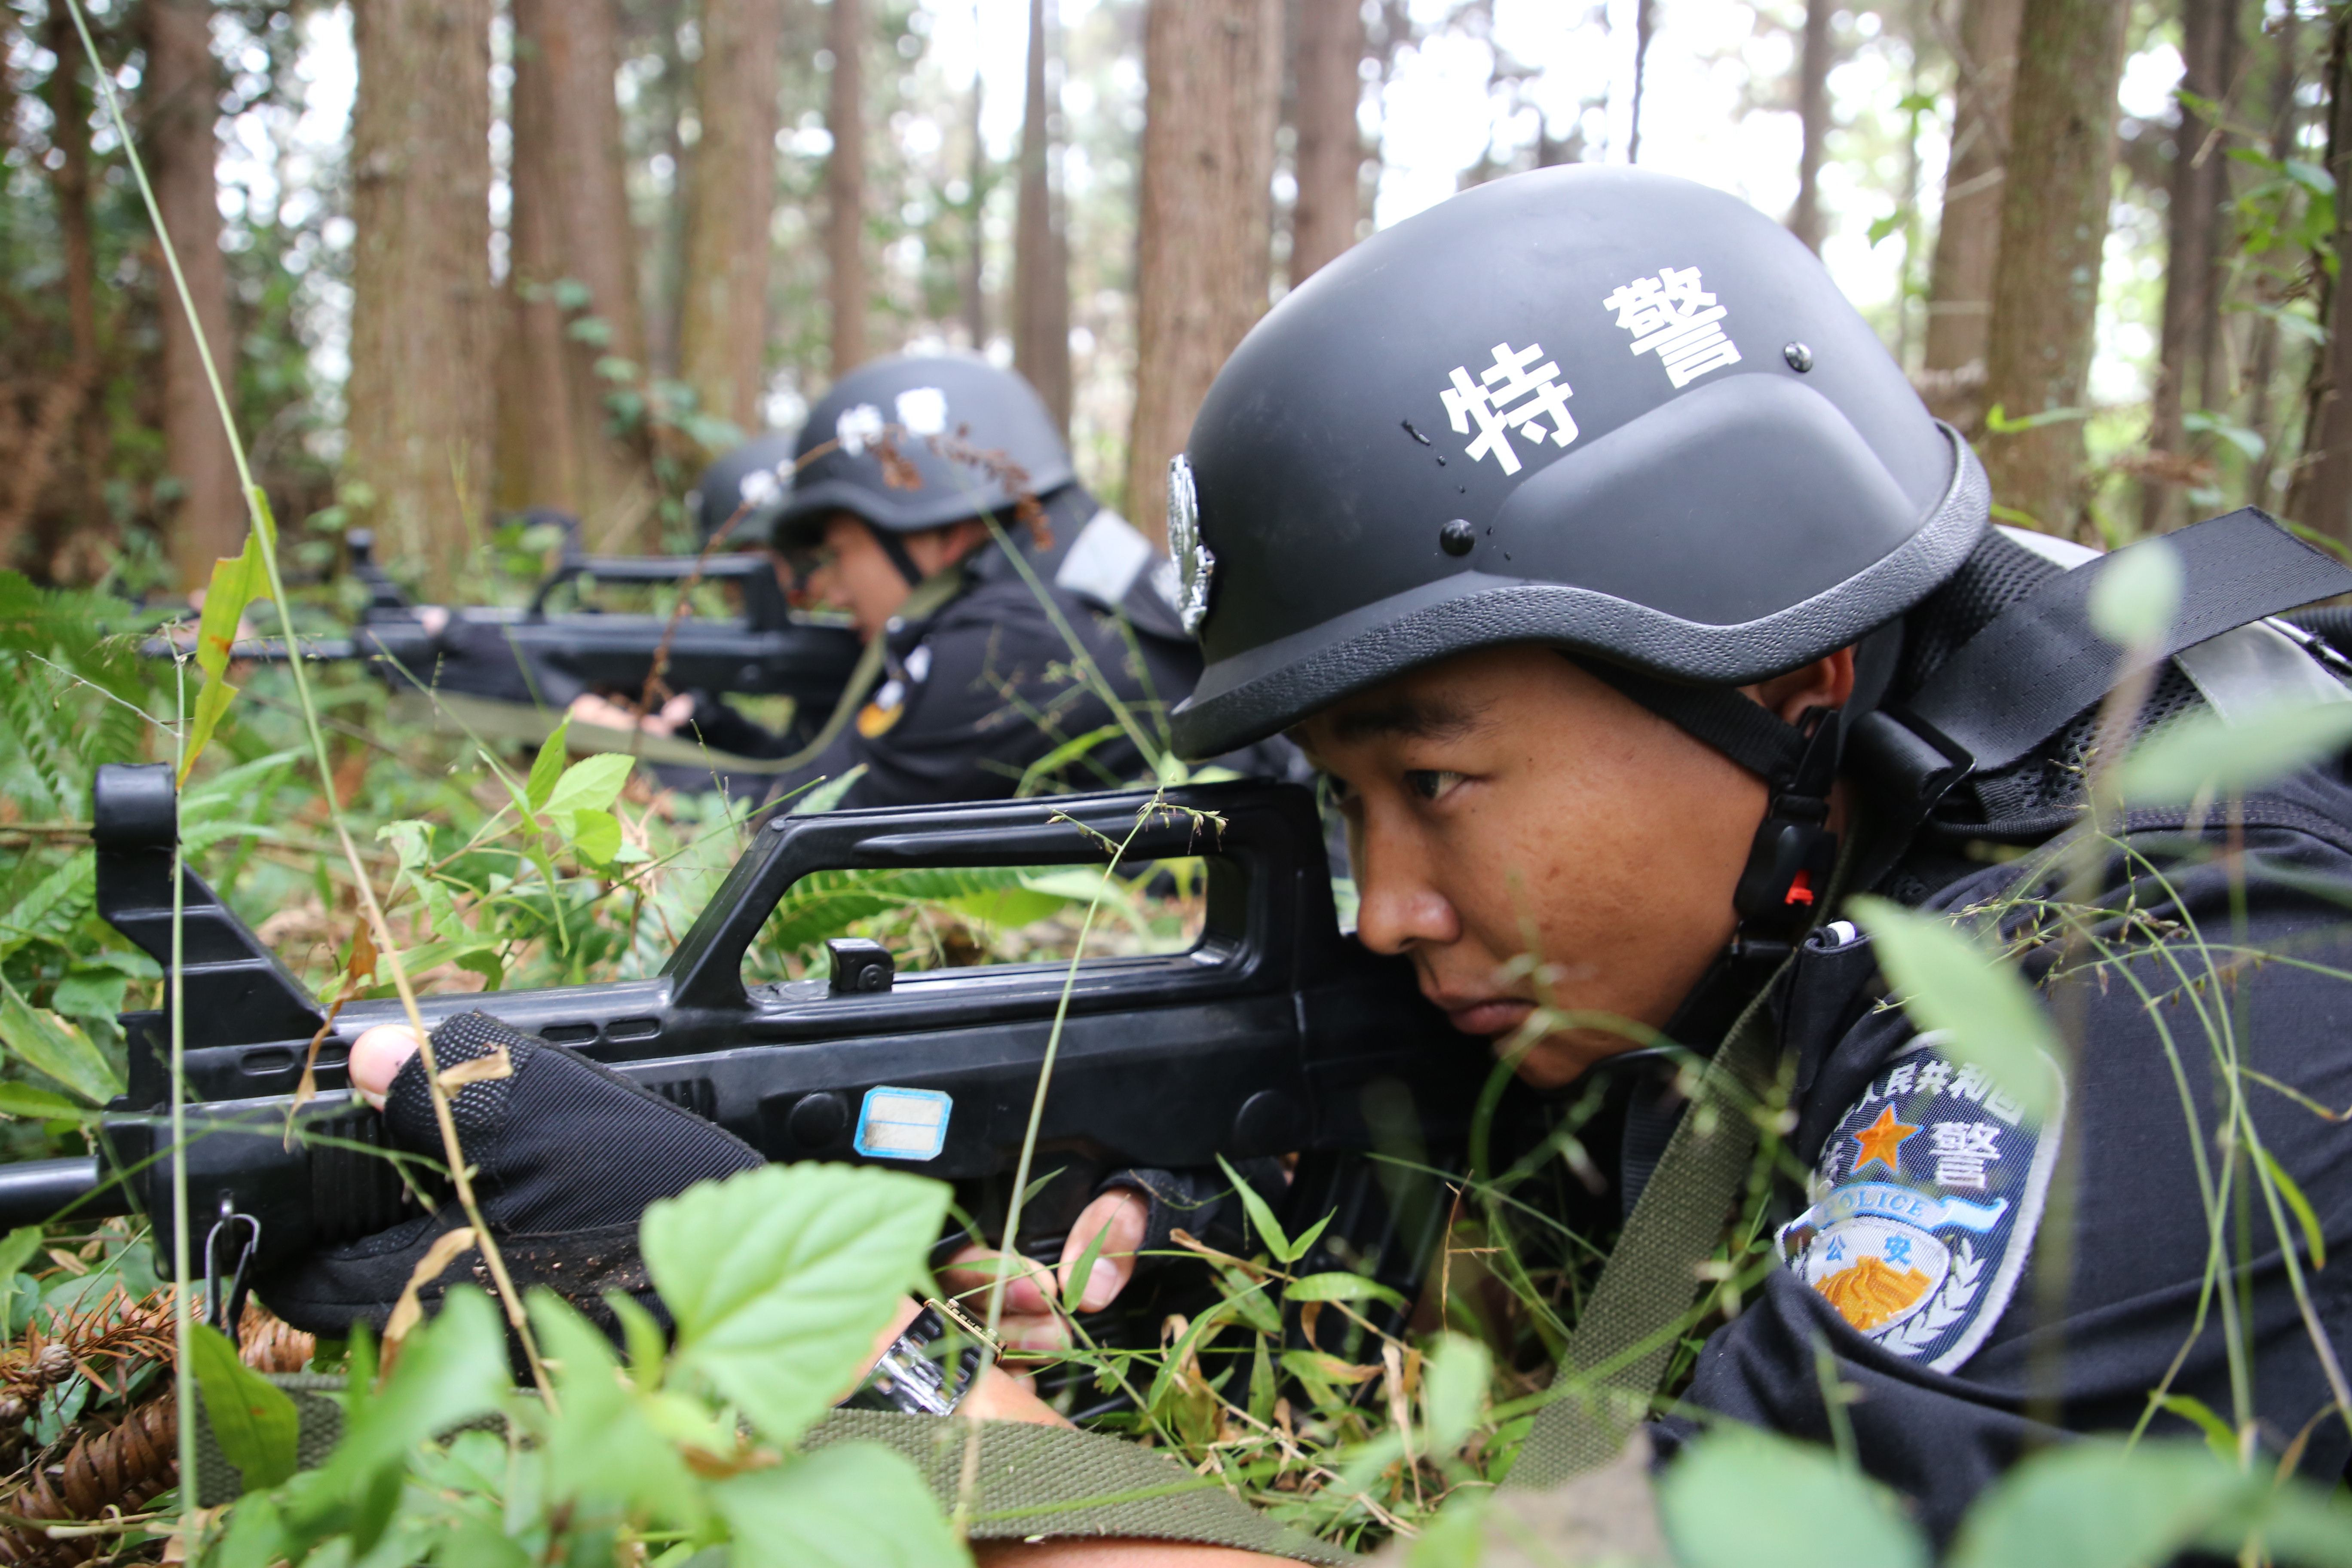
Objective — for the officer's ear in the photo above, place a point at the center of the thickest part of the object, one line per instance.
(1827, 682)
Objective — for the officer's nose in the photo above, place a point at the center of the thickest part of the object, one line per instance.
(1399, 906)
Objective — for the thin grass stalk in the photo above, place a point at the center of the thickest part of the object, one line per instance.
(183, 1374)
(257, 510)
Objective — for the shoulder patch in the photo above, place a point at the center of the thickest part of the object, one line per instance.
(1927, 1197)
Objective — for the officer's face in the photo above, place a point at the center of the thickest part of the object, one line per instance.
(1528, 836)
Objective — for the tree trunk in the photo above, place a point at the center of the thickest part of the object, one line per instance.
(2321, 495)
(569, 231)
(2286, 116)
(723, 348)
(2194, 192)
(2053, 225)
(1645, 28)
(1805, 219)
(180, 104)
(422, 312)
(1041, 255)
(845, 185)
(1326, 59)
(1967, 236)
(73, 552)
(971, 293)
(1213, 70)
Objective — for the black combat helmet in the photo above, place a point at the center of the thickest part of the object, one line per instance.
(963, 436)
(753, 477)
(1604, 409)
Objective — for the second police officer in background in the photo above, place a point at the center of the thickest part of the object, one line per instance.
(1026, 636)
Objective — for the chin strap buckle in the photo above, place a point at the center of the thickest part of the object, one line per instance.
(1794, 852)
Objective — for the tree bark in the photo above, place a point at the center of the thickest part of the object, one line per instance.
(2053, 225)
(1213, 70)
(570, 225)
(1326, 60)
(1967, 236)
(422, 312)
(723, 328)
(2194, 191)
(1805, 220)
(180, 104)
(1645, 28)
(1041, 254)
(971, 293)
(73, 552)
(845, 185)
(2321, 494)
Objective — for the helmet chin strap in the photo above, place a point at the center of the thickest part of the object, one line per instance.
(896, 549)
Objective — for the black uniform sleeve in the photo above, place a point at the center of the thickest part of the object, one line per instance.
(2150, 1092)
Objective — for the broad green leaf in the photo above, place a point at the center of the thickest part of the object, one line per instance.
(603, 1455)
(2100, 1505)
(595, 835)
(779, 1279)
(1261, 1214)
(2201, 753)
(1340, 1288)
(546, 767)
(452, 1369)
(40, 1105)
(410, 840)
(1745, 1498)
(1986, 1012)
(1454, 1391)
(854, 1505)
(16, 1249)
(252, 1419)
(55, 1047)
(591, 784)
(2136, 594)
(90, 992)
(1009, 907)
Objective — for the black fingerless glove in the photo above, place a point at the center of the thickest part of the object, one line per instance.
(567, 1155)
(1200, 1202)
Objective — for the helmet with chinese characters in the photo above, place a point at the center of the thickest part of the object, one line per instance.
(920, 441)
(1596, 409)
(746, 486)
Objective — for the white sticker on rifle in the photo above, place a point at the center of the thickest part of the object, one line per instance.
(903, 1123)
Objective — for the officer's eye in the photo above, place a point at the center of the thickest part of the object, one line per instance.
(1431, 783)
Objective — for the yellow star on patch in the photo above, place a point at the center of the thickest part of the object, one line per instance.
(1881, 1141)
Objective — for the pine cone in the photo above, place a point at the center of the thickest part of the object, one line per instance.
(122, 1468)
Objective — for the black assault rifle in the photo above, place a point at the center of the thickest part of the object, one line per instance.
(539, 659)
(1274, 1034)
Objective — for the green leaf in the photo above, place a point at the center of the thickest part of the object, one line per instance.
(90, 993)
(55, 902)
(2201, 753)
(252, 1419)
(1745, 1498)
(595, 835)
(2220, 1440)
(2136, 593)
(2310, 176)
(779, 1279)
(2314, 1237)
(55, 1047)
(1261, 1214)
(854, 1505)
(1984, 1011)
(452, 1370)
(1454, 1391)
(236, 583)
(1082, 1269)
(1998, 421)
(546, 767)
(40, 1105)
(2099, 1505)
(827, 794)
(591, 784)
(1339, 1287)
(410, 840)
(603, 1454)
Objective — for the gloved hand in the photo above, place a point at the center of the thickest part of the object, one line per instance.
(567, 1155)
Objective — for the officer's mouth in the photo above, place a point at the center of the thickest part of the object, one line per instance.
(1489, 1016)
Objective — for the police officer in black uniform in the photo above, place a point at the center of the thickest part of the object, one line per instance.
(1638, 613)
(1027, 636)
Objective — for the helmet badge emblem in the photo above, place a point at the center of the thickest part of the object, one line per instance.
(1194, 559)
(1670, 315)
(1508, 396)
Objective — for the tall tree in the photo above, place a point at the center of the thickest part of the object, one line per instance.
(1814, 113)
(722, 346)
(180, 116)
(571, 285)
(2191, 275)
(422, 313)
(2321, 494)
(970, 275)
(1967, 236)
(1326, 57)
(1041, 254)
(2053, 227)
(81, 411)
(1645, 28)
(1212, 73)
(845, 185)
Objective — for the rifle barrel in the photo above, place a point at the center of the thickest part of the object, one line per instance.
(31, 1191)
